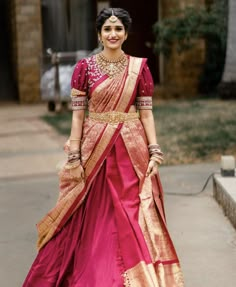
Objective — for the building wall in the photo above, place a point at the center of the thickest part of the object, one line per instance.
(180, 73)
(27, 47)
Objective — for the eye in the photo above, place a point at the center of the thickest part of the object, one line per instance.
(119, 29)
(106, 29)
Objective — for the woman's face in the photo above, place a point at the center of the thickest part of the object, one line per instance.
(113, 35)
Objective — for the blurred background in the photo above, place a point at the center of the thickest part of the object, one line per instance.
(186, 56)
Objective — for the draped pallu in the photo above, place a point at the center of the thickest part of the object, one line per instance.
(147, 251)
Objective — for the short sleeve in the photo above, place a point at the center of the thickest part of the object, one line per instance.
(79, 84)
(145, 89)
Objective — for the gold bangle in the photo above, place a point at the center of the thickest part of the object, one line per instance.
(75, 139)
(157, 160)
(72, 165)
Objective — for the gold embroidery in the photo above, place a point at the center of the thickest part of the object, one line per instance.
(71, 189)
(48, 225)
(79, 103)
(158, 275)
(133, 72)
(106, 95)
(144, 103)
(150, 220)
(113, 117)
(99, 149)
(75, 93)
(134, 136)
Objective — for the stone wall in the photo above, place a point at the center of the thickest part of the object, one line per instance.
(27, 39)
(181, 72)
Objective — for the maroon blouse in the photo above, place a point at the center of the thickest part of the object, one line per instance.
(87, 72)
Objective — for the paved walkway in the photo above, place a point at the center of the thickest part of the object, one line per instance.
(29, 153)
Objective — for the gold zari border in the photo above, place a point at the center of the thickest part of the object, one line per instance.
(154, 275)
(133, 73)
(76, 93)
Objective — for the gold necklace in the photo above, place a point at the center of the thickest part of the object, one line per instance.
(112, 67)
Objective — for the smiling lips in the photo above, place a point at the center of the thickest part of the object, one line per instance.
(113, 40)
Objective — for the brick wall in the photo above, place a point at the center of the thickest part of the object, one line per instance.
(27, 37)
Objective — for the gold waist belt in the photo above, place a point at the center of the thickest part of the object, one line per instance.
(113, 117)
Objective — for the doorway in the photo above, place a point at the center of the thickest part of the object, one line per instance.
(141, 38)
(7, 83)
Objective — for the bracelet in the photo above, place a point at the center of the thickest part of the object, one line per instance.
(71, 139)
(73, 157)
(74, 151)
(72, 165)
(156, 159)
(155, 153)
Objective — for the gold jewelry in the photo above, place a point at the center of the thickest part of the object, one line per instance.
(74, 152)
(78, 140)
(112, 67)
(113, 18)
(113, 117)
(157, 161)
(72, 165)
(155, 153)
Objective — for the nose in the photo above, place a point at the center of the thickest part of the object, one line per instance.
(113, 33)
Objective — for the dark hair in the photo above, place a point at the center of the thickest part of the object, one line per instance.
(120, 13)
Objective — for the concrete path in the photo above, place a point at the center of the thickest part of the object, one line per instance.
(29, 153)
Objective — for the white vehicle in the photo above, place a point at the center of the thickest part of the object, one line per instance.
(55, 81)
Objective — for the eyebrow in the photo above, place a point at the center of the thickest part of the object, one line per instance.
(115, 26)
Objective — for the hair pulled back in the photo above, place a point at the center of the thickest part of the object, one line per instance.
(120, 13)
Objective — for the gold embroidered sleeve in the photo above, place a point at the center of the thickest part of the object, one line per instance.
(79, 100)
(144, 103)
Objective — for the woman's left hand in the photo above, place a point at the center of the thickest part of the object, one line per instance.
(152, 168)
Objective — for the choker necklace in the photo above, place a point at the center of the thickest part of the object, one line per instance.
(112, 67)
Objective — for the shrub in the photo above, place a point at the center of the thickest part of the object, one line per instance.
(197, 23)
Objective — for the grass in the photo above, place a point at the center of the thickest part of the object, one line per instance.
(60, 121)
(188, 131)
(196, 131)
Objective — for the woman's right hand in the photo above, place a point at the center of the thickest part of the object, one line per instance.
(77, 173)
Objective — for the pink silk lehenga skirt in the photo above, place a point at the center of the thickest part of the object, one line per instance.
(85, 253)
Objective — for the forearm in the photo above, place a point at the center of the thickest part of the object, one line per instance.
(76, 129)
(147, 119)
(155, 153)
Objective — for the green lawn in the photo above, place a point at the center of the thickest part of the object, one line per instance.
(188, 131)
(196, 131)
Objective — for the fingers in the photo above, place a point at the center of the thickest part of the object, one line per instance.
(148, 170)
(77, 173)
(153, 172)
(152, 169)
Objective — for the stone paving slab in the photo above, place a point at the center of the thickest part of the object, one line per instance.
(204, 238)
(28, 145)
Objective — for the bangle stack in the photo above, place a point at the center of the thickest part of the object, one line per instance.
(73, 159)
(155, 153)
(71, 165)
(73, 155)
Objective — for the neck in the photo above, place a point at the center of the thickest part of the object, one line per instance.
(112, 54)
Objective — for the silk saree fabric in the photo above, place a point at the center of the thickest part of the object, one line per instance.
(108, 230)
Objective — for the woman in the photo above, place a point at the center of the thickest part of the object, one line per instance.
(108, 227)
